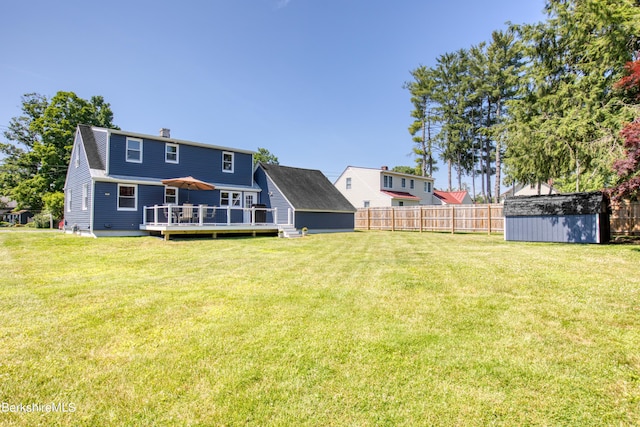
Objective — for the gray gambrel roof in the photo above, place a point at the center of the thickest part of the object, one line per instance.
(307, 189)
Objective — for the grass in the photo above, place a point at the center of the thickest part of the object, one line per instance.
(366, 329)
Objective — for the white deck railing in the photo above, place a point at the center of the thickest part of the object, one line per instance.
(204, 215)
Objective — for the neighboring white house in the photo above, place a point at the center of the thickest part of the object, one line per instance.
(528, 190)
(369, 187)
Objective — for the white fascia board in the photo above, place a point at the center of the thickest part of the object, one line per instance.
(99, 175)
(280, 191)
(92, 207)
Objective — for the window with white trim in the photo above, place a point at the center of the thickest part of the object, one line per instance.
(127, 197)
(367, 203)
(69, 199)
(427, 187)
(134, 150)
(411, 184)
(348, 183)
(85, 197)
(171, 153)
(403, 183)
(77, 161)
(230, 198)
(170, 196)
(227, 161)
(387, 181)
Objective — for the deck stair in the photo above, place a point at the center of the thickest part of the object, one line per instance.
(289, 231)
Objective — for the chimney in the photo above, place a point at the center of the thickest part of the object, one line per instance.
(384, 168)
(165, 133)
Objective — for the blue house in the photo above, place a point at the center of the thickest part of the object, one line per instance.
(114, 185)
(125, 184)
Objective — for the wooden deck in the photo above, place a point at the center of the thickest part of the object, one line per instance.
(174, 220)
(210, 229)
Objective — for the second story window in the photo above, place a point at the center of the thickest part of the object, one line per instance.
(134, 150)
(411, 184)
(348, 183)
(403, 183)
(387, 181)
(227, 162)
(171, 153)
(427, 187)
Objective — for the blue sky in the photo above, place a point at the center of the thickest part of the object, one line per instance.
(316, 82)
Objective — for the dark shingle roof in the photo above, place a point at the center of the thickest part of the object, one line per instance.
(91, 147)
(557, 204)
(307, 189)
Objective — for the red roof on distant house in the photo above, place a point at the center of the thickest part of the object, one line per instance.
(450, 197)
(400, 195)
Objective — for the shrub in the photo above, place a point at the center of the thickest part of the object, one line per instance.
(41, 220)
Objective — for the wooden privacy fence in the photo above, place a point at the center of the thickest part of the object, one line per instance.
(450, 218)
(625, 219)
(487, 218)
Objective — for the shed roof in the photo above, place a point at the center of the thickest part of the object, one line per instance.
(307, 189)
(557, 204)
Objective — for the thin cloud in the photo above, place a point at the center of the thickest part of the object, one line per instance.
(282, 3)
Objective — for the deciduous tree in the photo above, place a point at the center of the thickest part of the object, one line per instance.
(39, 144)
(628, 167)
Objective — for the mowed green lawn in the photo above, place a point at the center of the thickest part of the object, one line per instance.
(358, 329)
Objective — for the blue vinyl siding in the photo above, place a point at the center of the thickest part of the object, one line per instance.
(108, 217)
(272, 197)
(76, 178)
(200, 162)
(317, 221)
(562, 228)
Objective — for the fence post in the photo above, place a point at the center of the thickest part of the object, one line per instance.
(393, 219)
(489, 219)
(368, 218)
(421, 217)
(453, 219)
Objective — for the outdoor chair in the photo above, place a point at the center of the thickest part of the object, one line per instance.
(187, 213)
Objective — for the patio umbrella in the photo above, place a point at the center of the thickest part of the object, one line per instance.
(189, 183)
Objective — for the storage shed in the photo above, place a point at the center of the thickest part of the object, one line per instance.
(565, 218)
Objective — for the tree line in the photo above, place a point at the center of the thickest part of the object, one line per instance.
(536, 103)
